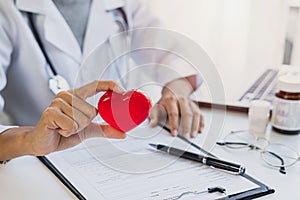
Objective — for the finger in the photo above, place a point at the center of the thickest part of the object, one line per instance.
(153, 116)
(81, 105)
(55, 119)
(80, 118)
(196, 119)
(173, 114)
(97, 86)
(186, 116)
(158, 114)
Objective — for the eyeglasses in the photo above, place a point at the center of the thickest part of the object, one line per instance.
(273, 154)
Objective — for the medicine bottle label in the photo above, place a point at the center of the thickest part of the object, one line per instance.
(286, 114)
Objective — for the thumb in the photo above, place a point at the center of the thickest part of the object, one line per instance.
(91, 131)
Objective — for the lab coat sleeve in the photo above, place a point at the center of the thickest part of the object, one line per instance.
(165, 54)
(5, 58)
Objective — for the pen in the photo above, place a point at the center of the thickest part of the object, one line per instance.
(206, 160)
(189, 142)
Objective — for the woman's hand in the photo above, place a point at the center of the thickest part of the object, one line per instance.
(68, 120)
(180, 111)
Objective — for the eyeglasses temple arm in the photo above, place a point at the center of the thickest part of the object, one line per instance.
(282, 168)
(232, 143)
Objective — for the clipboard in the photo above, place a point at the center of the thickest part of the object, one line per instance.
(61, 177)
(260, 190)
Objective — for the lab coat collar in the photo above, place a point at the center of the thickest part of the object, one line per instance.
(56, 30)
(34, 6)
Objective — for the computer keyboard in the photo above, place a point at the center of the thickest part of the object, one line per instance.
(264, 88)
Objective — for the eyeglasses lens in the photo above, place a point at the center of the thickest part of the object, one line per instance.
(279, 155)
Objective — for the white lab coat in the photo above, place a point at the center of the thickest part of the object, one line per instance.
(24, 73)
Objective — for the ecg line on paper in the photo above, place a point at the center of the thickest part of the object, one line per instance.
(186, 193)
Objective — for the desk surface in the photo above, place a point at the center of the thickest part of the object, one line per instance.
(27, 178)
(286, 186)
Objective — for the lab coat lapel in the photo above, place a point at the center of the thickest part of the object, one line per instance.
(97, 28)
(56, 30)
(101, 24)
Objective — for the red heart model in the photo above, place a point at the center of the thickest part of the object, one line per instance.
(124, 111)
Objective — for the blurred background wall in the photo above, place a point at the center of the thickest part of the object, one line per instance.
(237, 33)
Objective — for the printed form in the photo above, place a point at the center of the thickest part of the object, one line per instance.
(130, 169)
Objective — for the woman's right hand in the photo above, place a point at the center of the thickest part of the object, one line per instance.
(68, 120)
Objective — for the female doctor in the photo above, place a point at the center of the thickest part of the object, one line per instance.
(48, 39)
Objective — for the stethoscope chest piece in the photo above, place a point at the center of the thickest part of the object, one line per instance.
(57, 84)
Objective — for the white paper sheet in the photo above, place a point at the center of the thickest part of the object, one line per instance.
(130, 169)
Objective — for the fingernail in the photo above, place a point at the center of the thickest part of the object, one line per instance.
(152, 122)
(194, 134)
(175, 132)
(76, 125)
(119, 89)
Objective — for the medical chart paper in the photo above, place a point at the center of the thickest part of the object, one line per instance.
(131, 169)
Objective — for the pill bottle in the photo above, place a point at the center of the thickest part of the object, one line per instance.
(286, 104)
(259, 114)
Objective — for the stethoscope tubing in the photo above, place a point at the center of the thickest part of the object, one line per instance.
(57, 82)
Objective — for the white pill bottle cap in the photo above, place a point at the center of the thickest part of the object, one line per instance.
(289, 82)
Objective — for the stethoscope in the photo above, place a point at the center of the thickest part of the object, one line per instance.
(58, 83)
